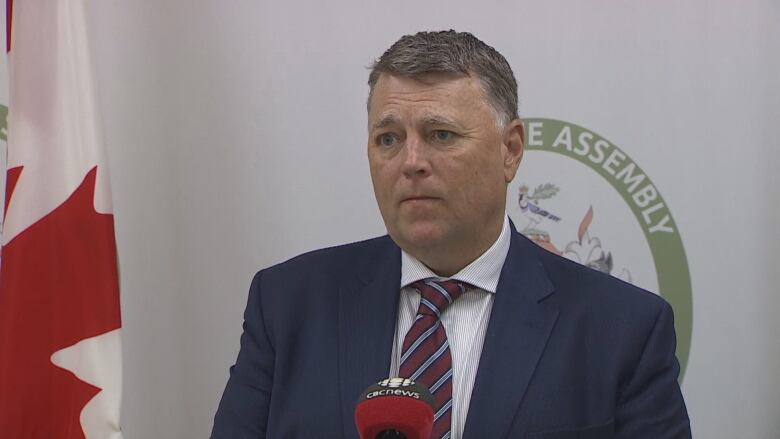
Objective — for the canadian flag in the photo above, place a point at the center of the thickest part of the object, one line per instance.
(60, 353)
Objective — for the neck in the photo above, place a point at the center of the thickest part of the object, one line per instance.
(446, 260)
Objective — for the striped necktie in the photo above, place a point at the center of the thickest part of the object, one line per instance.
(425, 354)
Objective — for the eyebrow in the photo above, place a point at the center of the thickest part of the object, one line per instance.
(433, 119)
(430, 119)
(384, 122)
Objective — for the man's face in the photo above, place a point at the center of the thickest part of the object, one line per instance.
(439, 162)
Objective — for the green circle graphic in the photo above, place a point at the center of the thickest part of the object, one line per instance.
(646, 203)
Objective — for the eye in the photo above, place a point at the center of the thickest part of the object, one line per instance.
(443, 135)
(386, 139)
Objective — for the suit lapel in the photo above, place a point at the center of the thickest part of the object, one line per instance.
(519, 326)
(368, 305)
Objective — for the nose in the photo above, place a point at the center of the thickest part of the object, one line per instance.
(416, 160)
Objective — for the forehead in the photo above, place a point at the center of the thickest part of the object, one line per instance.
(431, 93)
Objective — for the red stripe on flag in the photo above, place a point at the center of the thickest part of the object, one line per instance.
(59, 285)
(11, 178)
(9, 14)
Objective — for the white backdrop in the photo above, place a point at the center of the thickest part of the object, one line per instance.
(236, 135)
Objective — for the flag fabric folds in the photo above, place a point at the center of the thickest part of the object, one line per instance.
(60, 354)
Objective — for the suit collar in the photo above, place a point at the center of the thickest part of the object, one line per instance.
(368, 304)
(520, 323)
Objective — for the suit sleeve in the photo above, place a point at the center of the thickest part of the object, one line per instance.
(651, 405)
(243, 410)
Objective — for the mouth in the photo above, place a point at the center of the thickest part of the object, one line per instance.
(418, 198)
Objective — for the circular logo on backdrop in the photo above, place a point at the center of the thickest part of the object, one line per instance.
(582, 197)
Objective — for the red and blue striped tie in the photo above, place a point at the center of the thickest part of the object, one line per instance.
(425, 354)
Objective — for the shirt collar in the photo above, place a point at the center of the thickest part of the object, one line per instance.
(483, 272)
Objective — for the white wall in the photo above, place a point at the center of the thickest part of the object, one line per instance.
(236, 135)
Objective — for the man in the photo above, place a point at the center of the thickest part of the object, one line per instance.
(512, 340)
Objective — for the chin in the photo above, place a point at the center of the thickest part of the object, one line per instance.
(419, 237)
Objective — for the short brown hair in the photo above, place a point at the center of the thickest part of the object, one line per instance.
(452, 52)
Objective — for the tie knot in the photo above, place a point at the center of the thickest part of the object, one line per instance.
(437, 295)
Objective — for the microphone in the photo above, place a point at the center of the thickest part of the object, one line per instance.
(395, 408)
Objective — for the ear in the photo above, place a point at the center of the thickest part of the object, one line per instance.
(514, 143)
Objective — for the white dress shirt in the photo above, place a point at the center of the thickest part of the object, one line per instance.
(465, 320)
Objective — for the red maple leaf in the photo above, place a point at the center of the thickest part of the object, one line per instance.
(58, 286)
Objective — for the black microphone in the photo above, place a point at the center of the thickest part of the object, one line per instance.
(395, 408)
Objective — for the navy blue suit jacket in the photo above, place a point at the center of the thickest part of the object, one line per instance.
(569, 352)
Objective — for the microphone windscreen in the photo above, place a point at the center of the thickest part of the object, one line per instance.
(395, 405)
